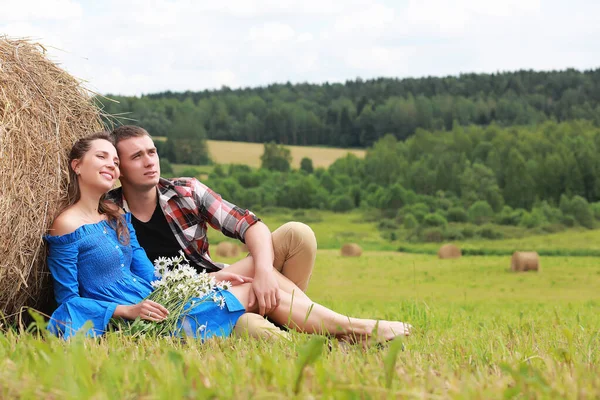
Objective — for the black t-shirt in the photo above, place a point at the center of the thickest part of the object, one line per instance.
(157, 238)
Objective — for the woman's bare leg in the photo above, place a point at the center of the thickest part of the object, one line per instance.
(245, 267)
(303, 315)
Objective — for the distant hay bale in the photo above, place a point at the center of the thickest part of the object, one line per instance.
(227, 249)
(243, 248)
(351, 250)
(43, 110)
(449, 251)
(525, 261)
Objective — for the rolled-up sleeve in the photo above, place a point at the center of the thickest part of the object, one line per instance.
(230, 219)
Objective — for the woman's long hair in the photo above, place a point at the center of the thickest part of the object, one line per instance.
(114, 217)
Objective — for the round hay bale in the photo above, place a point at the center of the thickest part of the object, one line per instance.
(43, 110)
(227, 249)
(449, 251)
(351, 250)
(243, 248)
(525, 261)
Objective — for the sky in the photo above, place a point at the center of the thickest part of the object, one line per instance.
(146, 46)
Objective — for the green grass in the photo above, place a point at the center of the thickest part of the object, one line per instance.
(480, 332)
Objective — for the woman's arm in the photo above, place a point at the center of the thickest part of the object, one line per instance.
(74, 311)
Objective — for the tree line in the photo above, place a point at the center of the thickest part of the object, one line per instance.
(358, 113)
(545, 176)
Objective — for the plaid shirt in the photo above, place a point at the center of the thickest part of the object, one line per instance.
(188, 206)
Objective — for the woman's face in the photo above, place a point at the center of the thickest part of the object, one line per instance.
(99, 167)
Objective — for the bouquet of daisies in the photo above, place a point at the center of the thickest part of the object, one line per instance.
(178, 288)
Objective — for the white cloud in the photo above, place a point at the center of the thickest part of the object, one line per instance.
(28, 10)
(141, 46)
(271, 33)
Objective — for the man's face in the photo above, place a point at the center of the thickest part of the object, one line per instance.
(140, 167)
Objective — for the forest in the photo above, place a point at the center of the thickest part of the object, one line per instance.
(358, 113)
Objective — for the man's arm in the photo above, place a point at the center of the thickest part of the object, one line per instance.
(260, 245)
(243, 225)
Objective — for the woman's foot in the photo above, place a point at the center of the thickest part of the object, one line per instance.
(376, 331)
(388, 330)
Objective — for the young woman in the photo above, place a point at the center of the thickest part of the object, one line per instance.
(101, 272)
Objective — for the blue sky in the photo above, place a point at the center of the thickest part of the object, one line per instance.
(136, 47)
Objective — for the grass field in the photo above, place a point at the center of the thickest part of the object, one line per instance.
(224, 152)
(480, 332)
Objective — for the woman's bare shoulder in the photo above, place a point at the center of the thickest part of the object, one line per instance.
(65, 223)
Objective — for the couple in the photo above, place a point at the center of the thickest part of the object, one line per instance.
(100, 271)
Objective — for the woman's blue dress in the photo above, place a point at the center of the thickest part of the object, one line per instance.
(93, 273)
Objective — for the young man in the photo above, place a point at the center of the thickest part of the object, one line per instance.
(172, 215)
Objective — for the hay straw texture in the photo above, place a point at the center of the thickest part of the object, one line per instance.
(227, 249)
(43, 110)
(449, 251)
(351, 250)
(525, 261)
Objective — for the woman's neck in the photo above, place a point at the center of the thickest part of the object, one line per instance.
(87, 205)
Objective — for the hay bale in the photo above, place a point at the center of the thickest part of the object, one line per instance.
(43, 110)
(525, 261)
(449, 251)
(351, 250)
(244, 248)
(227, 249)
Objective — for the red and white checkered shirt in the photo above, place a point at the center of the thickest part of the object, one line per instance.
(189, 206)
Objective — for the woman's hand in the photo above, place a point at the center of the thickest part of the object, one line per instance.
(232, 277)
(146, 309)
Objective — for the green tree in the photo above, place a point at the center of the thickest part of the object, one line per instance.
(306, 165)
(519, 189)
(342, 203)
(582, 212)
(478, 182)
(480, 212)
(188, 135)
(276, 157)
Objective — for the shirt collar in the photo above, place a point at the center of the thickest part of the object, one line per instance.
(166, 189)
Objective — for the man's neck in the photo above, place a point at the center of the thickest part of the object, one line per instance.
(141, 203)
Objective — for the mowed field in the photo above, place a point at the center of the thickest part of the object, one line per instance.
(224, 152)
(479, 332)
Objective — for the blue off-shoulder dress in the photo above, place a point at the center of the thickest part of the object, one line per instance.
(93, 273)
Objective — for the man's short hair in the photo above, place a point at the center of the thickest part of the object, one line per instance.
(128, 131)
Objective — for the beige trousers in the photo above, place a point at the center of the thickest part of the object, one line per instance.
(295, 248)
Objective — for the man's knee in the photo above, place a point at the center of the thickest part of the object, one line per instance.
(301, 234)
(256, 326)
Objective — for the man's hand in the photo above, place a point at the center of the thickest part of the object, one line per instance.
(265, 291)
(232, 277)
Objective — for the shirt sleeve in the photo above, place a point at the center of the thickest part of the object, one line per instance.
(140, 263)
(230, 219)
(74, 311)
